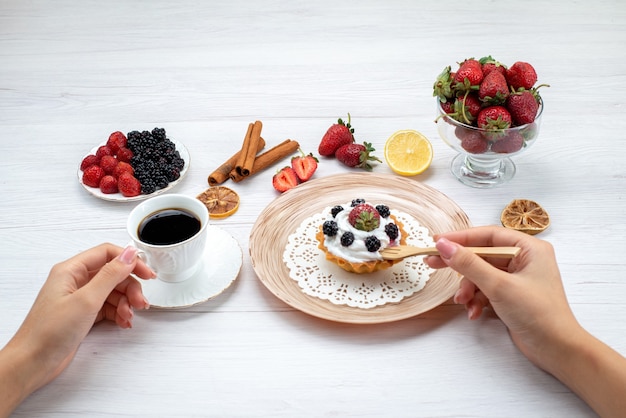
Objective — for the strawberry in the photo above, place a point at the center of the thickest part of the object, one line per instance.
(108, 163)
(493, 89)
(89, 161)
(489, 64)
(285, 179)
(364, 217)
(116, 141)
(128, 185)
(124, 154)
(304, 165)
(123, 167)
(523, 107)
(92, 175)
(473, 142)
(108, 184)
(357, 155)
(443, 86)
(494, 118)
(513, 142)
(469, 75)
(466, 108)
(337, 135)
(521, 75)
(103, 150)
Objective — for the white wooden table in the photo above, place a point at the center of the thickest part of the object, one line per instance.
(71, 72)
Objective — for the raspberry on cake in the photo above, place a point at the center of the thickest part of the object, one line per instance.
(352, 235)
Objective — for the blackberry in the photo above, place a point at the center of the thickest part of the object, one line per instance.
(383, 210)
(356, 202)
(330, 228)
(347, 239)
(392, 231)
(155, 159)
(372, 243)
(334, 211)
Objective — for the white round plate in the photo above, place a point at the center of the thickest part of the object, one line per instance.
(220, 267)
(118, 197)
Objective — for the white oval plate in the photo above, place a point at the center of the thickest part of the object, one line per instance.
(118, 197)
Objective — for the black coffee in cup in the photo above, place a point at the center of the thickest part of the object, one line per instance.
(168, 226)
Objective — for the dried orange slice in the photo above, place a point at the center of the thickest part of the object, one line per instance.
(408, 152)
(526, 216)
(220, 201)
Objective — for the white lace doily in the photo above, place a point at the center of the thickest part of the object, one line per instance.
(323, 279)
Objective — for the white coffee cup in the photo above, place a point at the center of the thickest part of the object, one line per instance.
(171, 262)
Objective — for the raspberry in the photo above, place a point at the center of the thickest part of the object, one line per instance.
(347, 239)
(334, 211)
(383, 210)
(89, 161)
(123, 167)
(108, 184)
(330, 228)
(92, 176)
(116, 141)
(108, 163)
(372, 243)
(128, 185)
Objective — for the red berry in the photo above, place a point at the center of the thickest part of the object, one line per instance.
(103, 150)
(89, 161)
(108, 163)
(521, 75)
(470, 70)
(304, 166)
(364, 217)
(116, 141)
(108, 185)
(493, 90)
(494, 118)
(523, 107)
(285, 179)
(123, 167)
(337, 135)
(124, 154)
(92, 175)
(513, 142)
(128, 185)
(474, 143)
(357, 155)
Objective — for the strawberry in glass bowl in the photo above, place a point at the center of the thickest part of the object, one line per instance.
(488, 113)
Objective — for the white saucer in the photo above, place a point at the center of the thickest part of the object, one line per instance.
(220, 267)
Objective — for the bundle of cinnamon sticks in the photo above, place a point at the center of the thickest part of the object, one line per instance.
(247, 161)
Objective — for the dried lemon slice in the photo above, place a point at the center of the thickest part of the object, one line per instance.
(220, 201)
(408, 152)
(526, 216)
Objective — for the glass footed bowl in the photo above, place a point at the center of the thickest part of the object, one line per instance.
(484, 158)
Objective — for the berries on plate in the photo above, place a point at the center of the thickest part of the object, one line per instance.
(92, 175)
(108, 184)
(339, 134)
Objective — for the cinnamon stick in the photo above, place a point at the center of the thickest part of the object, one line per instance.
(249, 149)
(269, 158)
(222, 173)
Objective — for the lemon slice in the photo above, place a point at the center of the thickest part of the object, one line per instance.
(526, 216)
(408, 152)
(220, 201)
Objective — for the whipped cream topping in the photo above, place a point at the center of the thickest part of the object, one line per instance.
(356, 252)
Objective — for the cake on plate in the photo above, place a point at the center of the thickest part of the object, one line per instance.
(352, 235)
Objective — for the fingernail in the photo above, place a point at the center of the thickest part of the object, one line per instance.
(128, 255)
(146, 304)
(455, 299)
(446, 248)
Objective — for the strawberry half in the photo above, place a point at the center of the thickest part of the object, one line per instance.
(128, 185)
(285, 179)
(336, 136)
(304, 165)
